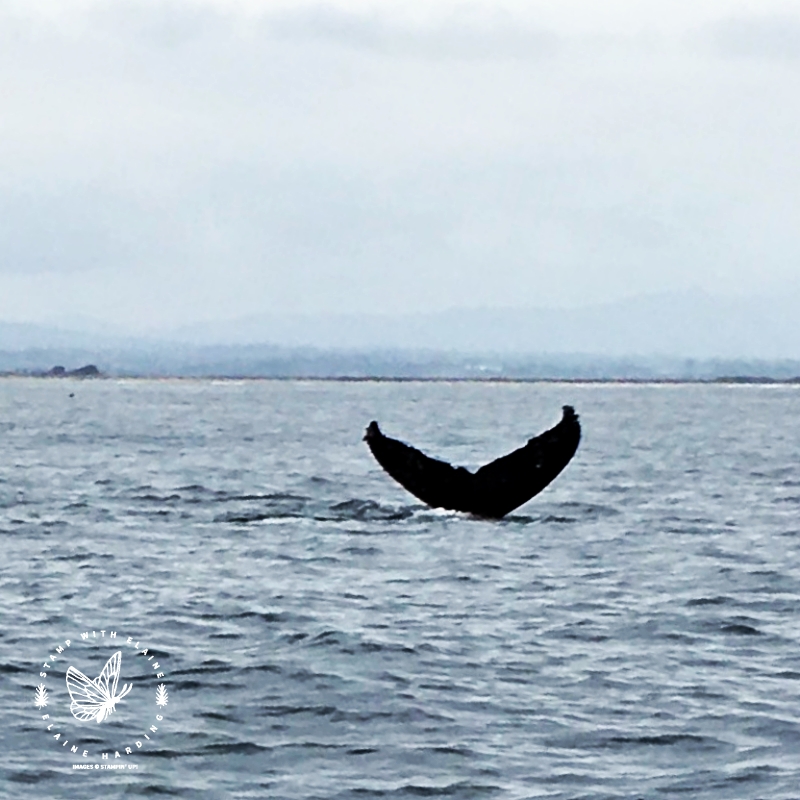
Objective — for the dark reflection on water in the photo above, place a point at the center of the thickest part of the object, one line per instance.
(632, 632)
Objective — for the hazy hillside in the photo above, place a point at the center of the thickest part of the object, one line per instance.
(692, 325)
(690, 335)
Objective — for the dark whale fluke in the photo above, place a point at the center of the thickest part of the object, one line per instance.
(496, 488)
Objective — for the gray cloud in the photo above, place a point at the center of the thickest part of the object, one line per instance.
(173, 26)
(192, 163)
(76, 229)
(462, 37)
(763, 37)
(241, 241)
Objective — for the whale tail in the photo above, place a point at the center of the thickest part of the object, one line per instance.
(496, 488)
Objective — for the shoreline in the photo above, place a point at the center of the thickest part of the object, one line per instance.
(744, 380)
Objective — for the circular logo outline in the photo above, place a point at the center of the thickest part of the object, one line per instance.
(92, 701)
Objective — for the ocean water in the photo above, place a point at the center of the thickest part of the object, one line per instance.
(632, 632)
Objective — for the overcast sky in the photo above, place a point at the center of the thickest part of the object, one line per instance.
(170, 162)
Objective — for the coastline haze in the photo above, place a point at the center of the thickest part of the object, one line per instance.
(682, 324)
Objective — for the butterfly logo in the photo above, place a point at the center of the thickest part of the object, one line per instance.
(96, 699)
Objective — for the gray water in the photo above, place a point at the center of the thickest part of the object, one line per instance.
(630, 633)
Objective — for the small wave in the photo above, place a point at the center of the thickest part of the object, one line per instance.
(709, 601)
(311, 746)
(273, 498)
(208, 668)
(414, 715)
(362, 551)
(157, 512)
(156, 498)
(307, 676)
(271, 617)
(163, 753)
(366, 511)
(271, 668)
(290, 711)
(740, 629)
(271, 507)
(246, 517)
(665, 740)
(453, 750)
(777, 472)
(590, 510)
(691, 530)
(75, 557)
(602, 740)
(384, 647)
(753, 774)
(232, 748)
(218, 715)
(327, 638)
(440, 687)
(189, 685)
(617, 488)
(461, 789)
(396, 679)
(588, 513)
(33, 777)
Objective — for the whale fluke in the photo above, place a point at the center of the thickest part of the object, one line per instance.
(496, 488)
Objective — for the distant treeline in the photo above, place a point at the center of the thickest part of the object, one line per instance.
(257, 361)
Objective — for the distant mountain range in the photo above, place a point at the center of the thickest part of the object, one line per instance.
(688, 325)
(666, 335)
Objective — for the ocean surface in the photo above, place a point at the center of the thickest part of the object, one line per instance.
(632, 632)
